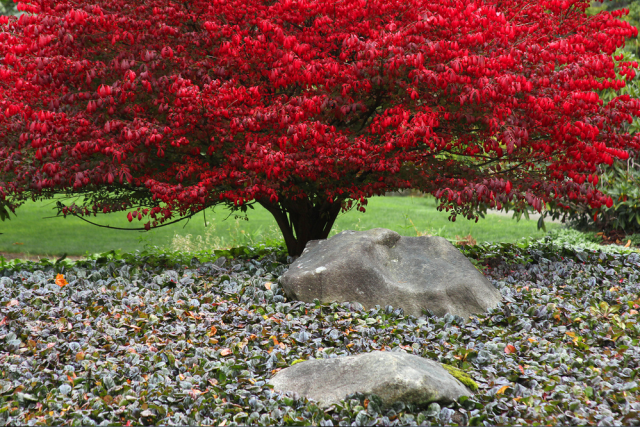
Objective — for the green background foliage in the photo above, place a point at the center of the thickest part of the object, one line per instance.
(633, 17)
(8, 7)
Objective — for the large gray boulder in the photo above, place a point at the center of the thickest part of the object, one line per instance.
(393, 376)
(380, 267)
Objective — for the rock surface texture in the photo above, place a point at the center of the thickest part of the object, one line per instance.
(393, 376)
(380, 267)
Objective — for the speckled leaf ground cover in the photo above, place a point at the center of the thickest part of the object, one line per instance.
(135, 339)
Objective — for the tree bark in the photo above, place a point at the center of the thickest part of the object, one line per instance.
(303, 220)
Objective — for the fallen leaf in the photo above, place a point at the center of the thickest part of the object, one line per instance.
(509, 349)
(80, 356)
(213, 330)
(194, 393)
(268, 285)
(60, 280)
(502, 389)
(13, 302)
(628, 244)
(18, 243)
(225, 352)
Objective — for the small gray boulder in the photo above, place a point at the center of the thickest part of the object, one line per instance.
(393, 376)
(380, 267)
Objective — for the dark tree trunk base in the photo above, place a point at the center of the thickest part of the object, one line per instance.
(303, 220)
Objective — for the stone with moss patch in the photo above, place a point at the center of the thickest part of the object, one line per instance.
(392, 376)
(461, 376)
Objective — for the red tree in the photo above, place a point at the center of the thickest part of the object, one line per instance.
(164, 108)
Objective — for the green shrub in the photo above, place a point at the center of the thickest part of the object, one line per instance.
(573, 239)
(621, 182)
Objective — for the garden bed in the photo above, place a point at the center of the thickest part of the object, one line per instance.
(167, 339)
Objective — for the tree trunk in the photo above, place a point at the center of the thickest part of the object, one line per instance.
(302, 220)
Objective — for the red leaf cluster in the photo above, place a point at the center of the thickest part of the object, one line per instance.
(180, 105)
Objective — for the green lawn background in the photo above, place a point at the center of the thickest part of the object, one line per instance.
(32, 233)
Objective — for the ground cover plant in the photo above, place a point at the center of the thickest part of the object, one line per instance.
(34, 232)
(174, 339)
(309, 107)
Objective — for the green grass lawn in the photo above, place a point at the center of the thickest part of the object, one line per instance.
(31, 232)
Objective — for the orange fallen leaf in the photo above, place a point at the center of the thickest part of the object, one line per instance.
(225, 352)
(521, 368)
(509, 349)
(628, 244)
(267, 285)
(60, 280)
(214, 330)
(502, 389)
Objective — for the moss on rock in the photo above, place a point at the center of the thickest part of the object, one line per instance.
(461, 376)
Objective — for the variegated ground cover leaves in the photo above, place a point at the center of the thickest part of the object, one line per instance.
(126, 342)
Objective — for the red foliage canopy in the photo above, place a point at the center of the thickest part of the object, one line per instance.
(164, 108)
